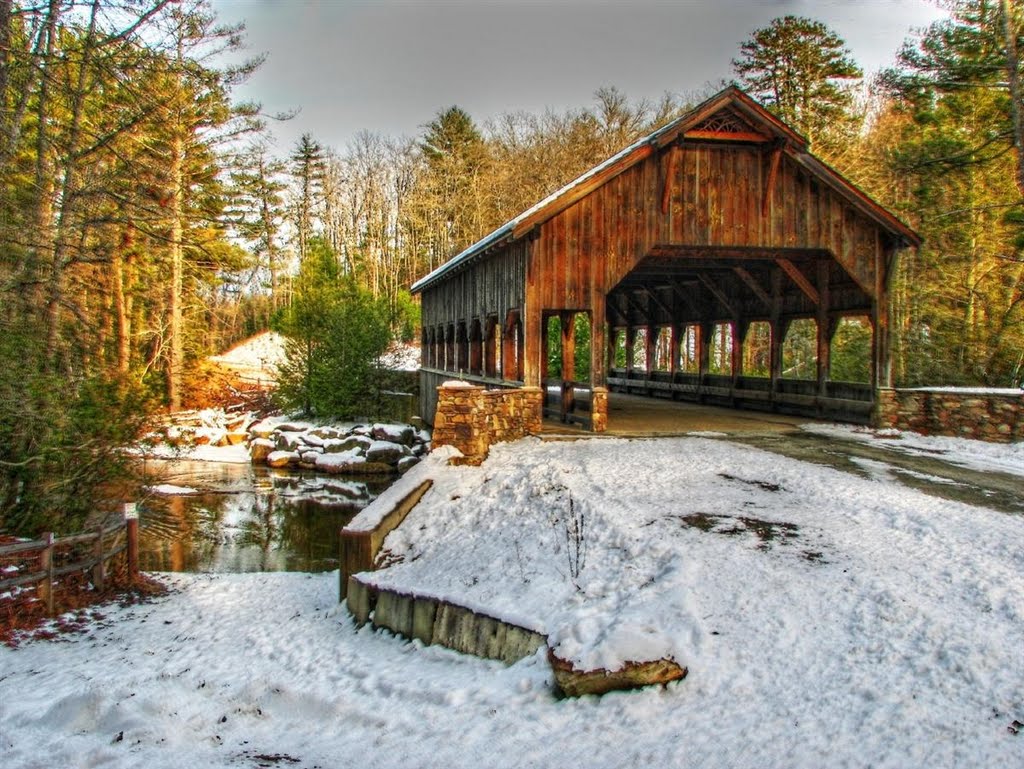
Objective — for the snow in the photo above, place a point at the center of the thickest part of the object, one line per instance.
(458, 383)
(337, 462)
(401, 357)
(171, 490)
(433, 465)
(257, 358)
(1018, 391)
(237, 454)
(883, 629)
(973, 454)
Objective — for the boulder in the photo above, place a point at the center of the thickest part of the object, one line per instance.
(262, 429)
(406, 463)
(235, 438)
(396, 433)
(288, 441)
(260, 449)
(386, 452)
(282, 458)
(338, 445)
(576, 683)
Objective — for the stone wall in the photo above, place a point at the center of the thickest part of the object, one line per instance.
(987, 416)
(471, 418)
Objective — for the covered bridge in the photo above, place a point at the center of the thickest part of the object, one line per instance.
(676, 268)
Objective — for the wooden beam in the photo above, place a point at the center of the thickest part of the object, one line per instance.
(722, 298)
(773, 172)
(798, 277)
(670, 251)
(678, 291)
(670, 172)
(661, 305)
(754, 286)
(728, 136)
(645, 312)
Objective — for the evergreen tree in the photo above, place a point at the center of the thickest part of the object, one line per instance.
(335, 333)
(308, 170)
(802, 71)
(963, 317)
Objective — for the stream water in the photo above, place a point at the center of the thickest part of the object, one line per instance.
(244, 518)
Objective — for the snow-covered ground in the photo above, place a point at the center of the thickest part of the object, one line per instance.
(826, 620)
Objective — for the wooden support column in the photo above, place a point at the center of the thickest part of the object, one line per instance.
(568, 363)
(508, 348)
(675, 342)
(650, 346)
(778, 332)
(881, 343)
(599, 343)
(630, 342)
(528, 369)
(824, 333)
(704, 349)
(739, 335)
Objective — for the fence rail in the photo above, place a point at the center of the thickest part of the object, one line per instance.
(95, 563)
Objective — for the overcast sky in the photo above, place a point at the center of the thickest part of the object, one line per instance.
(389, 66)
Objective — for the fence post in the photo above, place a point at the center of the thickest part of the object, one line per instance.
(131, 518)
(98, 571)
(44, 590)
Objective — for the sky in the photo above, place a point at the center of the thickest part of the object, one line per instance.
(389, 66)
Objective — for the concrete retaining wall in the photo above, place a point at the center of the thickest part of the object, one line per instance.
(437, 622)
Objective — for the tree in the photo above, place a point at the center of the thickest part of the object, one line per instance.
(335, 333)
(956, 149)
(307, 168)
(456, 157)
(802, 71)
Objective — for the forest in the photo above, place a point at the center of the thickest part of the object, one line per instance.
(147, 220)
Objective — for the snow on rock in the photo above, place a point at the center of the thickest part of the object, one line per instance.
(337, 463)
(378, 448)
(457, 383)
(386, 451)
(282, 458)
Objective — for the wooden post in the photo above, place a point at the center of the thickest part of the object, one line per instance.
(131, 519)
(44, 589)
(675, 341)
(650, 349)
(99, 570)
(778, 333)
(824, 337)
(568, 363)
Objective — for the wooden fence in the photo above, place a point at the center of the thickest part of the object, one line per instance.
(81, 553)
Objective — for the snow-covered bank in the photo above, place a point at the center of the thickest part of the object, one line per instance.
(826, 619)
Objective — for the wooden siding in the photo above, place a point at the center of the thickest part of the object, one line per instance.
(493, 285)
(715, 199)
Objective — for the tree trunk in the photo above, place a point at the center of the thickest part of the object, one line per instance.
(176, 347)
(1013, 78)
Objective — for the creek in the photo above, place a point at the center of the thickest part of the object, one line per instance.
(245, 518)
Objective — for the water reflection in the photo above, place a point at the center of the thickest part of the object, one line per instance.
(245, 518)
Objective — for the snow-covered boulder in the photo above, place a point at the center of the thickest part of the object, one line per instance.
(386, 452)
(282, 458)
(260, 449)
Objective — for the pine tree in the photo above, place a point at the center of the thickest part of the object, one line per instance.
(802, 71)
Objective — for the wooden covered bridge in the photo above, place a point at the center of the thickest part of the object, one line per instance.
(685, 266)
